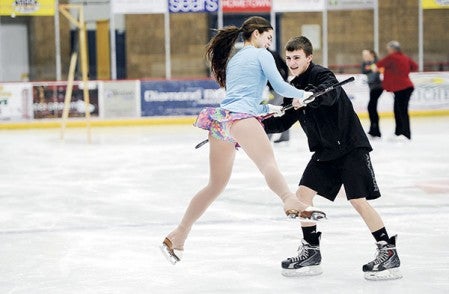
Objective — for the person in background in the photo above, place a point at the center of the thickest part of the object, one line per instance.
(236, 123)
(341, 157)
(396, 67)
(375, 90)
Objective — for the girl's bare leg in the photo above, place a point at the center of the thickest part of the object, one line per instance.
(253, 139)
(221, 160)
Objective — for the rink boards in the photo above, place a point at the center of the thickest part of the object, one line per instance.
(135, 102)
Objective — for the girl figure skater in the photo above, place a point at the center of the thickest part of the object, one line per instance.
(237, 123)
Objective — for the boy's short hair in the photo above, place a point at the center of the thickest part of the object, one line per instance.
(299, 43)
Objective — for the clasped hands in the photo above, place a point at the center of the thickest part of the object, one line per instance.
(297, 103)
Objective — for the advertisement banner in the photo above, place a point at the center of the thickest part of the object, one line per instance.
(15, 101)
(178, 98)
(358, 93)
(27, 7)
(48, 100)
(435, 4)
(138, 6)
(189, 6)
(298, 5)
(350, 4)
(246, 6)
(431, 93)
(119, 99)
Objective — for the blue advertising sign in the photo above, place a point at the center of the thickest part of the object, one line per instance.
(179, 98)
(187, 6)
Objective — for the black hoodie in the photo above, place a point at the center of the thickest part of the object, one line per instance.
(332, 127)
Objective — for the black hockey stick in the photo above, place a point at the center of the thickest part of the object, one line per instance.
(307, 100)
(317, 94)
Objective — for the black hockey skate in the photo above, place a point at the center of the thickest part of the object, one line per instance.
(386, 264)
(307, 263)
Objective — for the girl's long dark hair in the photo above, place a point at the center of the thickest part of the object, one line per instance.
(219, 49)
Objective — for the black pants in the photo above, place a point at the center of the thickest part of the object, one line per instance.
(374, 95)
(400, 108)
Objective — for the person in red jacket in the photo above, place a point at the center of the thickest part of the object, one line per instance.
(396, 67)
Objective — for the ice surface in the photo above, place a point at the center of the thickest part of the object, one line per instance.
(88, 218)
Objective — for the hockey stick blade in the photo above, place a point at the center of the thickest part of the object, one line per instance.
(201, 143)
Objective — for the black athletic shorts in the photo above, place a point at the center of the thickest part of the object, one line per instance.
(354, 171)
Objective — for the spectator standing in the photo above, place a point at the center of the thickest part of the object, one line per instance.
(396, 67)
(375, 90)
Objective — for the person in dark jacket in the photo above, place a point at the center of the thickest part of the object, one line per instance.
(340, 157)
(396, 67)
(375, 90)
(277, 99)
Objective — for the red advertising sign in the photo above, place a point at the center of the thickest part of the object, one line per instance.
(246, 6)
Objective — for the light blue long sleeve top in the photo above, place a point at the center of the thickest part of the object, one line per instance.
(247, 74)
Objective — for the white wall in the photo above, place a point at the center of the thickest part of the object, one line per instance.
(99, 10)
(14, 60)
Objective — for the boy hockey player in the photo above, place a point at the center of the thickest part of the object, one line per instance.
(341, 157)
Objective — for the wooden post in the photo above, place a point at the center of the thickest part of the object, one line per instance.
(81, 25)
(68, 93)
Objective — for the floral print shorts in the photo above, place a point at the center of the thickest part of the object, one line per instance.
(218, 122)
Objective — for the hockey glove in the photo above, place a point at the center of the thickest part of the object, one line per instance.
(298, 103)
(276, 110)
(308, 94)
(313, 101)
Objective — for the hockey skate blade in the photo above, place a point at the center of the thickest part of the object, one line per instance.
(388, 274)
(313, 270)
(170, 255)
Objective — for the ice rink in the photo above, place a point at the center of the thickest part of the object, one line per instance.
(88, 218)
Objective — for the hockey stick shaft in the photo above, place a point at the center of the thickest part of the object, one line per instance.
(322, 92)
